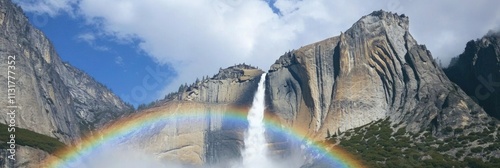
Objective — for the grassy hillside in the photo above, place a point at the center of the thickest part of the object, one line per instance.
(29, 138)
(381, 145)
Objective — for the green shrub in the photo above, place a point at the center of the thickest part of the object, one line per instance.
(448, 129)
(489, 138)
(474, 162)
(29, 138)
(444, 148)
(476, 149)
(357, 129)
(356, 138)
(494, 146)
(375, 146)
(400, 132)
(460, 153)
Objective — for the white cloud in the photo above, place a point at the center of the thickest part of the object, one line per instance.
(50, 7)
(86, 37)
(90, 39)
(445, 26)
(198, 37)
(119, 60)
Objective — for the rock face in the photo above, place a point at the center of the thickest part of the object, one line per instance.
(375, 70)
(53, 98)
(233, 85)
(94, 104)
(26, 157)
(198, 140)
(212, 140)
(477, 72)
(372, 71)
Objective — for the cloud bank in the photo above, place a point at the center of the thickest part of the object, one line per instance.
(198, 37)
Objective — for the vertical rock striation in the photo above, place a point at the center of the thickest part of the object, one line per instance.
(213, 140)
(372, 71)
(53, 97)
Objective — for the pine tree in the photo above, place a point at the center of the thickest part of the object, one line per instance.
(141, 106)
(181, 88)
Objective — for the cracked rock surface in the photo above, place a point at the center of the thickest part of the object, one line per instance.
(372, 71)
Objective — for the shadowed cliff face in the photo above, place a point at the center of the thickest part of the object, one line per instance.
(477, 72)
(372, 71)
(53, 97)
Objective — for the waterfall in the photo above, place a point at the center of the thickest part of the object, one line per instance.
(255, 151)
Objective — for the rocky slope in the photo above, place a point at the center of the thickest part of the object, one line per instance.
(94, 103)
(53, 98)
(382, 144)
(233, 85)
(477, 72)
(27, 157)
(372, 71)
(218, 141)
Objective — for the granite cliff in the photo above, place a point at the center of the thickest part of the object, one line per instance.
(374, 70)
(232, 85)
(477, 72)
(213, 140)
(53, 97)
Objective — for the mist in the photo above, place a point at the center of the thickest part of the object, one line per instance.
(125, 156)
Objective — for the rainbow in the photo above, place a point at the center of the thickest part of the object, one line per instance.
(126, 126)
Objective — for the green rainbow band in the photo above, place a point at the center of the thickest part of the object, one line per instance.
(127, 125)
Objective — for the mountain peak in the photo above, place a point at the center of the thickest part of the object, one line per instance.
(372, 71)
(479, 63)
(493, 33)
(382, 15)
(386, 14)
(242, 72)
(380, 22)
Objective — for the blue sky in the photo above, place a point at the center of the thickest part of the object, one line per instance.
(145, 49)
(120, 66)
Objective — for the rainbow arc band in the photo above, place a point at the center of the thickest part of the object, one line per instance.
(124, 127)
